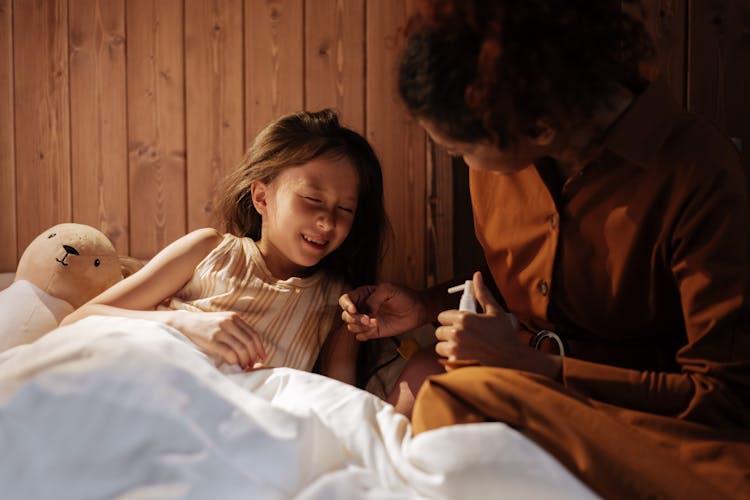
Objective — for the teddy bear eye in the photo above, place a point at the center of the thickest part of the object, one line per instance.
(51, 235)
(96, 263)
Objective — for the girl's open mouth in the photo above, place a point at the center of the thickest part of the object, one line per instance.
(315, 242)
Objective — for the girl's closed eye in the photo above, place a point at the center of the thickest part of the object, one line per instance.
(346, 209)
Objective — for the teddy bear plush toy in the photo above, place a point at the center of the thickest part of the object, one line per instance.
(64, 267)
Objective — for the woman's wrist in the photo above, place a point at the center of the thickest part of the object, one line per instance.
(549, 365)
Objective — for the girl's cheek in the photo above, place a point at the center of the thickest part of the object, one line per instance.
(301, 207)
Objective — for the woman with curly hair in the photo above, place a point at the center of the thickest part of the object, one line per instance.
(614, 226)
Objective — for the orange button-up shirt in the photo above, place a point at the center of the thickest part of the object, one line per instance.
(640, 262)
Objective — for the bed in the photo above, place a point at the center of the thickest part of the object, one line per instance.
(122, 408)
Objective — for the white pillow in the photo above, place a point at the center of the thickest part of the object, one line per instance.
(28, 312)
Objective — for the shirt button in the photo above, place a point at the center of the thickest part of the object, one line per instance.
(554, 219)
(543, 287)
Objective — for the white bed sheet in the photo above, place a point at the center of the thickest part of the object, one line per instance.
(123, 408)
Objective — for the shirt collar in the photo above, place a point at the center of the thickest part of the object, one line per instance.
(640, 132)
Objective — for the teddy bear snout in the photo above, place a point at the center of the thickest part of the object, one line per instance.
(68, 250)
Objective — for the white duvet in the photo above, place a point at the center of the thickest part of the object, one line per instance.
(122, 408)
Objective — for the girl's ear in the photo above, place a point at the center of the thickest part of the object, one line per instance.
(258, 191)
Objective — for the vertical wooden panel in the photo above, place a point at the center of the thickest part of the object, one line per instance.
(440, 223)
(156, 124)
(273, 61)
(214, 105)
(42, 133)
(334, 59)
(97, 112)
(719, 66)
(398, 140)
(665, 20)
(8, 250)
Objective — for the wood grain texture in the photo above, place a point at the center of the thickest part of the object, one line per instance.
(399, 142)
(719, 66)
(665, 21)
(274, 72)
(156, 124)
(98, 136)
(42, 133)
(334, 59)
(8, 250)
(440, 222)
(214, 106)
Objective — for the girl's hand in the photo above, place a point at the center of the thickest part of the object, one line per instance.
(384, 310)
(222, 335)
(488, 338)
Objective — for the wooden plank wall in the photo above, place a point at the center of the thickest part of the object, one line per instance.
(704, 54)
(718, 73)
(8, 232)
(124, 114)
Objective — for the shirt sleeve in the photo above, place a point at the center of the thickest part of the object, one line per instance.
(709, 255)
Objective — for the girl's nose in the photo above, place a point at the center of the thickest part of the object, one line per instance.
(326, 221)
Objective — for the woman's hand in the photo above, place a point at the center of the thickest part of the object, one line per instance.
(222, 335)
(488, 338)
(384, 310)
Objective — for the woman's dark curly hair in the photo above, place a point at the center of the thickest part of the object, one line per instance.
(294, 140)
(491, 69)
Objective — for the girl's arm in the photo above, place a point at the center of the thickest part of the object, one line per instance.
(159, 279)
(338, 356)
(220, 334)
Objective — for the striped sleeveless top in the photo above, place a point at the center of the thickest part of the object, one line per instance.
(293, 317)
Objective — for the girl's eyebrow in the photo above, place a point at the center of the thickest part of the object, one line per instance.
(318, 189)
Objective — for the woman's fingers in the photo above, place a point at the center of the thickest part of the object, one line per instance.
(446, 346)
(350, 300)
(358, 319)
(445, 349)
(450, 316)
(362, 325)
(445, 333)
(484, 297)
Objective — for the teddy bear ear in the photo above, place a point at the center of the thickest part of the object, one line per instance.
(129, 265)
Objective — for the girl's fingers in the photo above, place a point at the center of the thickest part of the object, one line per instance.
(362, 319)
(251, 339)
(346, 303)
(244, 357)
(225, 352)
